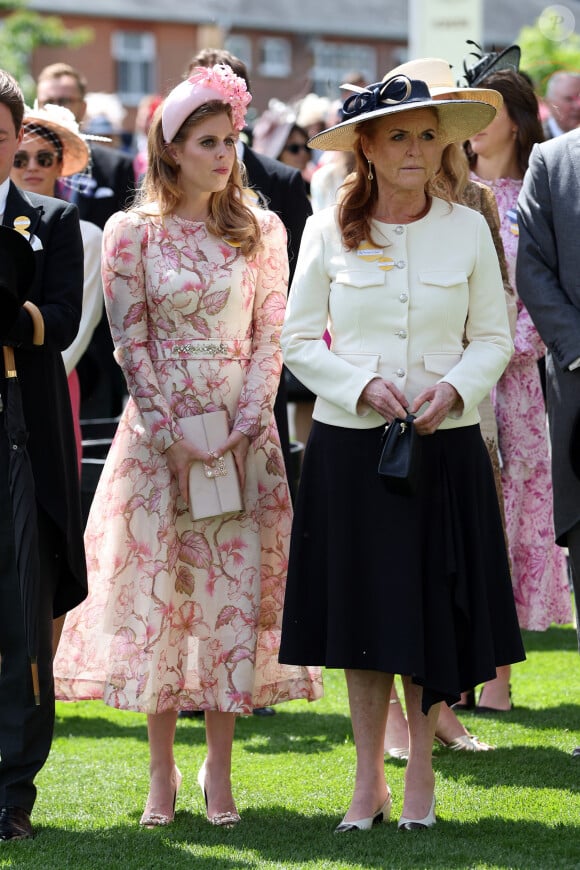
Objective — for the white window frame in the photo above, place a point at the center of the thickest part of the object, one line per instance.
(332, 60)
(139, 57)
(241, 47)
(275, 53)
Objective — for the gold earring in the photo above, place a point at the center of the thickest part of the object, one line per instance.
(370, 176)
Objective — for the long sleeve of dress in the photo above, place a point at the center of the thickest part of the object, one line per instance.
(126, 306)
(260, 386)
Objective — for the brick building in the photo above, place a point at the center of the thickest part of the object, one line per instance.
(291, 46)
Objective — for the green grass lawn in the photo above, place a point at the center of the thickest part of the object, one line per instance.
(516, 807)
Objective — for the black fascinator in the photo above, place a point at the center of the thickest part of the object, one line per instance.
(493, 61)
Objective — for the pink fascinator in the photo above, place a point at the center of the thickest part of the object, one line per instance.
(205, 84)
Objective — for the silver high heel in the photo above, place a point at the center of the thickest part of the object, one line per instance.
(221, 820)
(383, 814)
(418, 824)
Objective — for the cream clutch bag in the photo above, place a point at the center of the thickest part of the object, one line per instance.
(213, 490)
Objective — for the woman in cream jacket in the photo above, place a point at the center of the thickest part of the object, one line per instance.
(378, 583)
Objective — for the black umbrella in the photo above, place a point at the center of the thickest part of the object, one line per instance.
(17, 267)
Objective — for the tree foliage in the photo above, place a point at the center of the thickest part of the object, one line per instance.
(547, 49)
(22, 31)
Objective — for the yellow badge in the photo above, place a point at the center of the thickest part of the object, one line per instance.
(375, 255)
(21, 225)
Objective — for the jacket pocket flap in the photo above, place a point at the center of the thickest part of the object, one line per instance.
(369, 361)
(443, 279)
(360, 278)
(441, 363)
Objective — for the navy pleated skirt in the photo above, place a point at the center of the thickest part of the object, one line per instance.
(416, 585)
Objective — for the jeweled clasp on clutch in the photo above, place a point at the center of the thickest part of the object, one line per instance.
(217, 470)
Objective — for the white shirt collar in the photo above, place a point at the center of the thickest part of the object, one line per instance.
(554, 127)
(4, 188)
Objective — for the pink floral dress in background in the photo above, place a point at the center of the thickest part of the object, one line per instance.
(185, 614)
(539, 571)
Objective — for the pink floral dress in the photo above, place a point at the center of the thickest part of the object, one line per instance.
(539, 572)
(185, 614)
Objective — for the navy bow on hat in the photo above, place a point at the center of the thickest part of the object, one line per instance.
(394, 91)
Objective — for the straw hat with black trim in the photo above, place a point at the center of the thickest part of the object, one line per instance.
(458, 119)
(436, 73)
(61, 122)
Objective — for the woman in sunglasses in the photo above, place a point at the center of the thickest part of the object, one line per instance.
(276, 134)
(53, 157)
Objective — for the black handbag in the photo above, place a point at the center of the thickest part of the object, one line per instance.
(400, 460)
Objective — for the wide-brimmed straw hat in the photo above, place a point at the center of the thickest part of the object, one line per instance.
(436, 73)
(458, 119)
(61, 121)
(17, 267)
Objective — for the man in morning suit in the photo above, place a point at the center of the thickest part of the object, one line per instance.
(39, 333)
(109, 188)
(547, 269)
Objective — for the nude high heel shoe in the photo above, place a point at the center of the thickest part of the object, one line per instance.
(383, 814)
(418, 824)
(222, 820)
(153, 819)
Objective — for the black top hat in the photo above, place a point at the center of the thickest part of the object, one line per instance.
(17, 267)
(493, 61)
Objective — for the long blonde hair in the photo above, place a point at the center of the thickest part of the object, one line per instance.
(229, 215)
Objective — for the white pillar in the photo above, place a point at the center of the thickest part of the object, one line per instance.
(440, 28)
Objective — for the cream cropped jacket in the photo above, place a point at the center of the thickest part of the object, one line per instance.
(426, 305)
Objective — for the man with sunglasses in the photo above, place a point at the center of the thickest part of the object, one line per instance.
(38, 336)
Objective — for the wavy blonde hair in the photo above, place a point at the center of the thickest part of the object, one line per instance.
(229, 216)
(360, 194)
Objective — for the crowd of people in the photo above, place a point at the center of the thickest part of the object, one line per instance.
(402, 260)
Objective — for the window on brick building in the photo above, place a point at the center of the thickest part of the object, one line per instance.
(333, 60)
(134, 56)
(275, 57)
(240, 47)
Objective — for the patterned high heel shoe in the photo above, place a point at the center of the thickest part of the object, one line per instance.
(383, 814)
(152, 818)
(406, 824)
(222, 820)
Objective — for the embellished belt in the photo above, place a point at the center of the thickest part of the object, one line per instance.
(232, 349)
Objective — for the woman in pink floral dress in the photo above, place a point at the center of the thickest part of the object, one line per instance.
(184, 614)
(499, 158)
